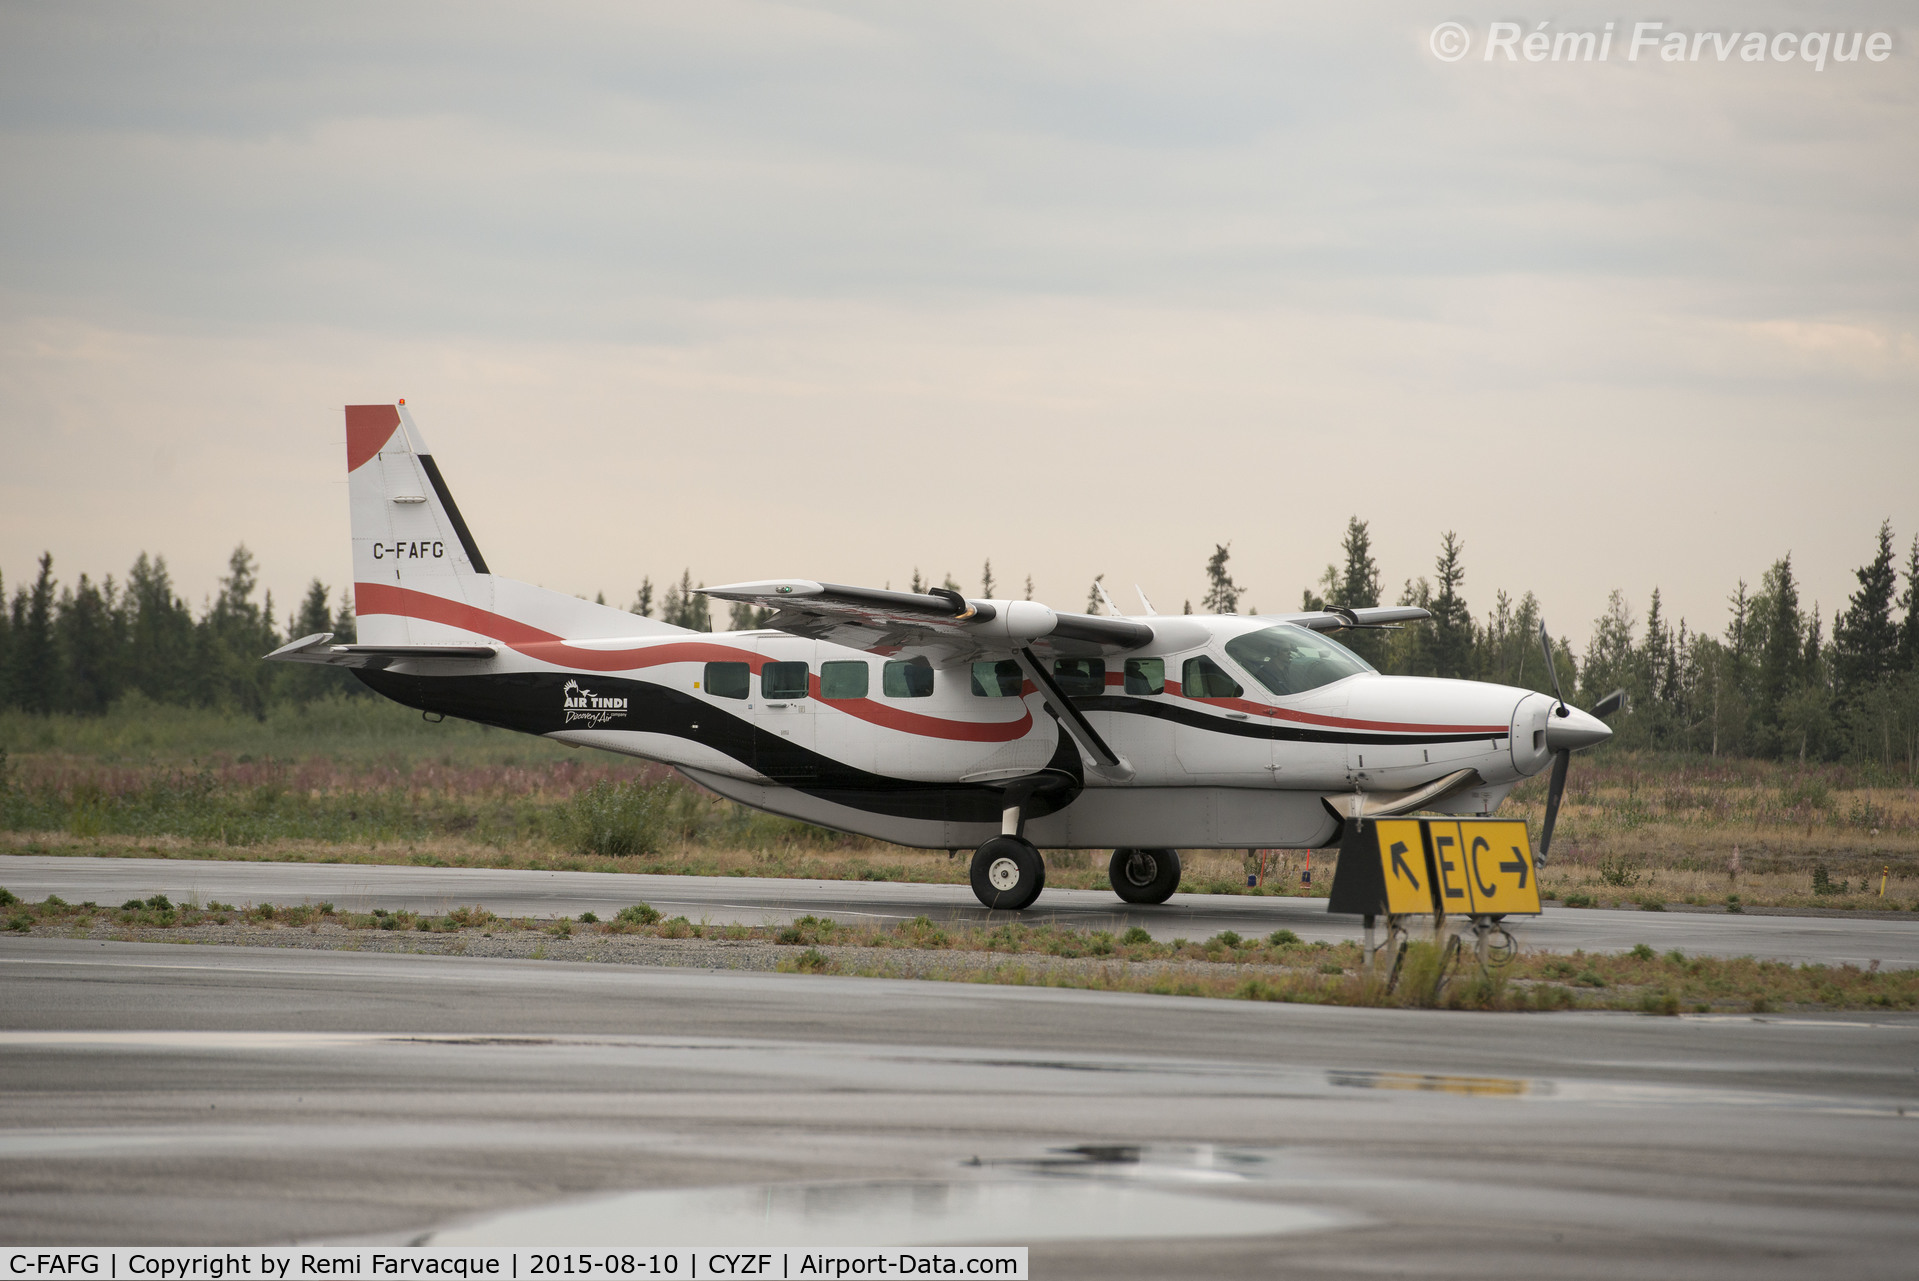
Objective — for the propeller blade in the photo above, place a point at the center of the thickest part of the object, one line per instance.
(1552, 668)
(1554, 790)
(1611, 703)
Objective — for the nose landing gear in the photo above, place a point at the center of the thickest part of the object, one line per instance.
(1007, 872)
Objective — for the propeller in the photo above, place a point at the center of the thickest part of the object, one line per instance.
(1569, 731)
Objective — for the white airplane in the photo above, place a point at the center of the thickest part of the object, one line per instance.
(938, 720)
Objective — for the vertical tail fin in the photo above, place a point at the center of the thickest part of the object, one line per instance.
(419, 577)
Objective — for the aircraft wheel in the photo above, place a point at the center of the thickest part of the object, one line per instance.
(1144, 876)
(1008, 873)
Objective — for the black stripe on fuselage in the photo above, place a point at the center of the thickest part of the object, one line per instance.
(1168, 709)
(532, 703)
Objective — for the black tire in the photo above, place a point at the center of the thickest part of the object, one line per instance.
(1008, 873)
(1144, 876)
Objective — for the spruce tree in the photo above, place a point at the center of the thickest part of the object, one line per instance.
(1909, 629)
(87, 630)
(1353, 585)
(986, 578)
(1452, 625)
(6, 647)
(1781, 655)
(1865, 636)
(160, 627)
(36, 660)
(1222, 593)
(643, 600)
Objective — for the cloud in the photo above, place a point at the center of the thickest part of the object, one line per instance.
(858, 287)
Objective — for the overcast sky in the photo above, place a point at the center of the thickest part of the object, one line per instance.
(840, 290)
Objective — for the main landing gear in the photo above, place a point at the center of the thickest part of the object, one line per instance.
(1144, 876)
(1008, 872)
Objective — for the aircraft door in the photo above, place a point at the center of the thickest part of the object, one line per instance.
(785, 714)
(1221, 739)
(842, 736)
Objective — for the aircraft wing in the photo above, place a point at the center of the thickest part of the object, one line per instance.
(314, 649)
(886, 621)
(1333, 620)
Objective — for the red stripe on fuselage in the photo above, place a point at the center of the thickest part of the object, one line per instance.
(379, 598)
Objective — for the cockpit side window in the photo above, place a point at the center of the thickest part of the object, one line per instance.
(1145, 676)
(1203, 678)
(997, 679)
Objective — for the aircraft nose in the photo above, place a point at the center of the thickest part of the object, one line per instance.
(1574, 730)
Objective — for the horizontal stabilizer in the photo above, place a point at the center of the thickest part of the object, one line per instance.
(314, 649)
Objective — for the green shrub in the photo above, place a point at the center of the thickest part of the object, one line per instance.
(1135, 936)
(638, 914)
(7, 899)
(617, 819)
(22, 923)
(1283, 938)
(1225, 938)
(1622, 872)
(679, 928)
(813, 961)
(589, 918)
(1642, 952)
(1577, 900)
(1331, 967)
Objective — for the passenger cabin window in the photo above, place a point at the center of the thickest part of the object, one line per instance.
(1001, 679)
(1287, 659)
(907, 678)
(1080, 677)
(843, 680)
(1203, 678)
(783, 680)
(727, 680)
(1145, 676)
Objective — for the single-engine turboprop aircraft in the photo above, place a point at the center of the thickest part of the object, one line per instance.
(933, 719)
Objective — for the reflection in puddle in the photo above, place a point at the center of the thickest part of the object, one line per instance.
(891, 1213)
(1150, 1163)
(1473, 1085)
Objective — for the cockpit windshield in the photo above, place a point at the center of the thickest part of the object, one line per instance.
(1291, 660)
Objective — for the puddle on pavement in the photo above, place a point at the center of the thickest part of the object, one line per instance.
(956, 1212)
(1475, 1086)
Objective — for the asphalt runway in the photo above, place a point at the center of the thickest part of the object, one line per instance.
(1892, 940)
(154, 1094)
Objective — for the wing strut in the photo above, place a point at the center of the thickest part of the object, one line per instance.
(1105, 759)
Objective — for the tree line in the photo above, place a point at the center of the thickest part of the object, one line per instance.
(1774, 682)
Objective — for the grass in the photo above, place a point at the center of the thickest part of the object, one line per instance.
(1224, 966)
(362, 780)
